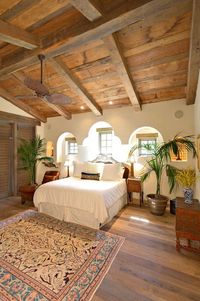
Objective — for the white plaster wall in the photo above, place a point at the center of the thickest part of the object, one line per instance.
(197, 132)
(124, 121)
(8, 107)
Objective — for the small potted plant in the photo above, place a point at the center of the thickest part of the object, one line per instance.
(187, 178)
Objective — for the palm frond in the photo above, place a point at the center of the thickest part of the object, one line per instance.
(31, 152)
(176, 144)
(171, 173)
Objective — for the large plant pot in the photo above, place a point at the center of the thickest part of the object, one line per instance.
(27, 192)
(157, 203)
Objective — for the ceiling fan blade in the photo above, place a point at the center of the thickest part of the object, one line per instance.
(36, 86)
(60, 99)
(26, 96)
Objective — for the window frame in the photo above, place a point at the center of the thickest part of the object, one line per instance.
(183, 155)
(72, 148)
(144, 152)
(106, 146)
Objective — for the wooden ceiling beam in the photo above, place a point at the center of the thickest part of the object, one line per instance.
(17, 36)
(87, 33)
(194, 55)
(17, 102)
(74, 84)
(87, 8)
(120, 64)
(20, 78)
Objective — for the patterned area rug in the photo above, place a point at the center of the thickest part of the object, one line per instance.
(44, 259)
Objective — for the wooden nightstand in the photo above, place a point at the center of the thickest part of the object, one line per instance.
(135, 185)
(188, 225)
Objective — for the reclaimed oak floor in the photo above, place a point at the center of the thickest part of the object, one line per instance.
(147, 267)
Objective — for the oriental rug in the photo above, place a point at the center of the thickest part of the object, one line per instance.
(45, 259)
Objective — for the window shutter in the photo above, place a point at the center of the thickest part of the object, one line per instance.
(147, 136)
(104, 130)
(70, 139)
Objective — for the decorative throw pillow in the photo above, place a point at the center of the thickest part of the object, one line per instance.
(112, 172)
(90, 176)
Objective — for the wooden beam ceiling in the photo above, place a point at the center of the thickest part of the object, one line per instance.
(122, 69)
(20, 77)
(17, 9)
(84, 34)
(74, 83)
(17, 102)
(90, 10)
(17, 36)
(133, 38)
(194, 56)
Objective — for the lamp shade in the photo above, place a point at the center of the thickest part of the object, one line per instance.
(67, 163)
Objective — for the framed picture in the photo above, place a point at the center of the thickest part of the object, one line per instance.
(198, 152)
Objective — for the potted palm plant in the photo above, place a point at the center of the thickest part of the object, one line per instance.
(158, 163)
(31, 152)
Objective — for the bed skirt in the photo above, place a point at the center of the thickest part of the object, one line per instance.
(81, 217)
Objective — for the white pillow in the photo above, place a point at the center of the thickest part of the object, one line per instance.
(112, 172)
(79, 167)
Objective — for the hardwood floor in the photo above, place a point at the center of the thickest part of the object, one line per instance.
(147, 267)
(11, 206)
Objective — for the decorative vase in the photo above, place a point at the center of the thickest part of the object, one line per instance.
(188, 195)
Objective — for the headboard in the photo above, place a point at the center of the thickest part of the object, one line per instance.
(127, 170)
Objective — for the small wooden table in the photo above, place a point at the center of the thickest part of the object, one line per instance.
(135, 185)
(188, 225)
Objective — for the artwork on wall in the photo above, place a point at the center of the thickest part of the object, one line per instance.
(198, 151)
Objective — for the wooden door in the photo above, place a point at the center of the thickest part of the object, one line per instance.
(6, 160)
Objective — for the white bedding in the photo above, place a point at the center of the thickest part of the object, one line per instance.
(94, 197)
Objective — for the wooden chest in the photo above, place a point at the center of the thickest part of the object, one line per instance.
(188, 225)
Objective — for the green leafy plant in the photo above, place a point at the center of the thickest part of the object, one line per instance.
(160, 157)
(31, 152)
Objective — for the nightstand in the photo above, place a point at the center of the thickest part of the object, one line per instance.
(135, 185)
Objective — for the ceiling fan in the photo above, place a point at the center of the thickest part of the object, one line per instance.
(41, 90)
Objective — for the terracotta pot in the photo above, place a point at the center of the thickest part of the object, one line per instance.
(27, 192)
(157, 203)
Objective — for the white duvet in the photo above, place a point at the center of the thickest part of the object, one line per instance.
(95, 197)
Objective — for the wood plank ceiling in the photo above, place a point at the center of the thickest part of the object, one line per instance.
(100, 53)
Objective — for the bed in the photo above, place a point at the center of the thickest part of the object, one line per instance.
(86, 202)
